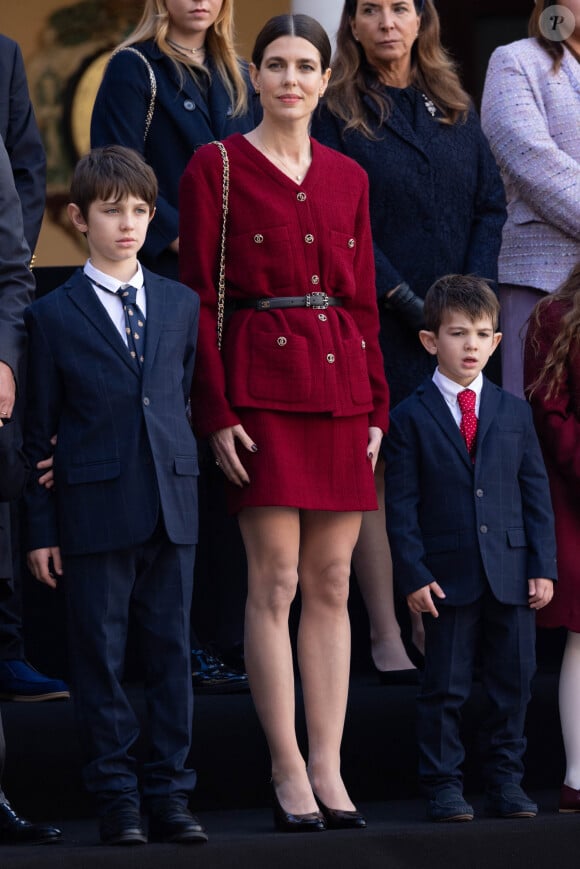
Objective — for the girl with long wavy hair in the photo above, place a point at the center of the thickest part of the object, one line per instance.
(552, 379)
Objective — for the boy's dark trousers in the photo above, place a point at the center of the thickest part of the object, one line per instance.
(505, 636)
(153, 584)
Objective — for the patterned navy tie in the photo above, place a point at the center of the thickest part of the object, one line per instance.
(134, 322)
(468, 425)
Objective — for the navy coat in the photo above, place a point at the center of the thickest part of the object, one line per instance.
(437, 207)
(22, 139)
(16, 291)
(185, 117)
(461, 524)
(125, 453)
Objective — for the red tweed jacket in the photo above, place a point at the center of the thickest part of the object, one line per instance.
(283, 239)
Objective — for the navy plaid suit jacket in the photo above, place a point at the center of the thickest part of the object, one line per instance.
(125, 453)
(461, 524)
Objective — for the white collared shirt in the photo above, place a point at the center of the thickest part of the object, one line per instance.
(112, 303)
(449, 389)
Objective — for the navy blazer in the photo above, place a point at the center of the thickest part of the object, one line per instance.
(462, 524)
(436, 196)
(22, 139)
(437, 207)
(125, 453)
(185, 117)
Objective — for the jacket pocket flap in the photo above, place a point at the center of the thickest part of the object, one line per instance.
(186, 466)
(517, 537)
(96, 472)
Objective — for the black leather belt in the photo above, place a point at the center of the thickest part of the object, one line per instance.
(317, 301)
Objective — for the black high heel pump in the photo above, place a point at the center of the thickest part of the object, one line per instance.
(341, 819)
(286, 822)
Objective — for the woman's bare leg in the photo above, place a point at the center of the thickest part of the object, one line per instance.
(326, 544)
(272, 538)
(374, 573)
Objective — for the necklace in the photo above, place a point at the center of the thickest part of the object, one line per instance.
(279, 160)
(184, 48)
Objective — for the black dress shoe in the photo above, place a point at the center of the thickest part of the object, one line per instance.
(169, 821)
(122, 827)
(341, 819)
(16, 831)
(285, 822)
(211, 676)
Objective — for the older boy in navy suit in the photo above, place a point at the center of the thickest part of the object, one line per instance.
(472, 533)
(111, 357)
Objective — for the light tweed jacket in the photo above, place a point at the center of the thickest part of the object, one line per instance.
(531, 118)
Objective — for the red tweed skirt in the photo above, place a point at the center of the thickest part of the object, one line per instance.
(305, 460)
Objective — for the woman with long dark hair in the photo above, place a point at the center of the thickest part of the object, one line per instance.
(295, 405)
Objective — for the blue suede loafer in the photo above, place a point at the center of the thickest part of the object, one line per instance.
(447, 804)
(509, 801)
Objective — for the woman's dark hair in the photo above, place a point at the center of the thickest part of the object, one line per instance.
(552, 47)
(432, 71)
(293, 25)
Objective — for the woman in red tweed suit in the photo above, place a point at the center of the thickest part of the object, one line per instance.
(552, 379)
(296, 404)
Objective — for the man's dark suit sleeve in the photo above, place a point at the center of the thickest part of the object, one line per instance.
(537, 507)
(22, 139)
(402, 496)
(16, 280)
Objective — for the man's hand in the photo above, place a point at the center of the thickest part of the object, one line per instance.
(7, 391)
(540, 592)
(45, 564)
(421, 601)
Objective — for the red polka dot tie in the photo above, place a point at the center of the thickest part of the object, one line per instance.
(468, 425)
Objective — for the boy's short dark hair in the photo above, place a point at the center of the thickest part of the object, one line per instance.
(468, 294)
(112, 173)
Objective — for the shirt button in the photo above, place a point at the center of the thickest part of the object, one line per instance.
(330, 358)
(188, 105)
(301, 197)
(281, 341)
(315, 280)
(323, 318)
(363, 344)
(258, 238)
(479, 493)
(146, 402)
(351, 242)
(309, 238)
(483, 529)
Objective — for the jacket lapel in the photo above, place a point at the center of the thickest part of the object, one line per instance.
(488, 407)
(156, 293)
(435, 404)
(83, 296)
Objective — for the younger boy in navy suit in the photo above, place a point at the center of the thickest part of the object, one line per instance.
(111, 356)
(472, 533)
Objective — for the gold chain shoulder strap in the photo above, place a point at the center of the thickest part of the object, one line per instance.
(222, 271)
(152, 83)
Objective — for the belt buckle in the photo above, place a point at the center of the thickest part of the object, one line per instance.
(318, 301)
